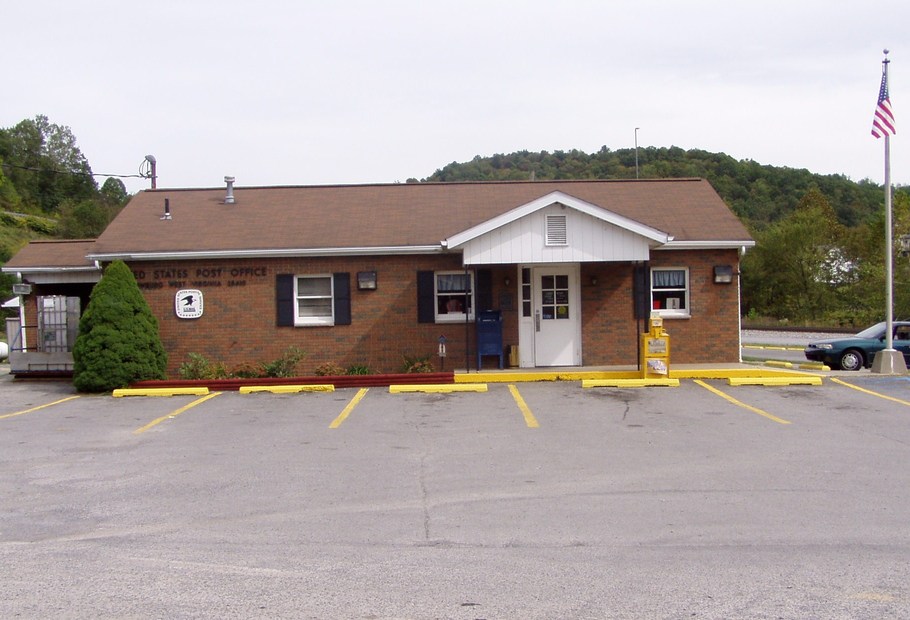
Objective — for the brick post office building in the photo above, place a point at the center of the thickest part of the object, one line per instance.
(371, 274)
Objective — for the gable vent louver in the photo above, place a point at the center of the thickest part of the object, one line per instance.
(556, 230)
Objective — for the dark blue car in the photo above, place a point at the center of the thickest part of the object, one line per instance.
(855, 352)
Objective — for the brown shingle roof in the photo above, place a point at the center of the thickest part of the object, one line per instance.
(360, 216)
(52, 254)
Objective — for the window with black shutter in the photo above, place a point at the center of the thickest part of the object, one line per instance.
(313, 300)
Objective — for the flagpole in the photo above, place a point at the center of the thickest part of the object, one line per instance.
(888, 361)
(889, 255)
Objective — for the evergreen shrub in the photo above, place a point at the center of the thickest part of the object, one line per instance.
(118, 341)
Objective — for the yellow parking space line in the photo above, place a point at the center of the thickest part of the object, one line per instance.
(865, 391)
(530, 420)
(174, 414)
(56, 402)
(347, 410)
(738, 403)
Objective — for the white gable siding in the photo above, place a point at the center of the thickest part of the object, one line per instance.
(524, 241)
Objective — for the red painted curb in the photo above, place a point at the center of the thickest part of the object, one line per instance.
(341, 381)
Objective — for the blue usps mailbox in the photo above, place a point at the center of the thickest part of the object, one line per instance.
(489, 335)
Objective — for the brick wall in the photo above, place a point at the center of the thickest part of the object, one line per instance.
(238, 325)
(239, 322)
(709, 335)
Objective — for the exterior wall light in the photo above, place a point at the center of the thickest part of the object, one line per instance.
(723, 274)
(366, 280)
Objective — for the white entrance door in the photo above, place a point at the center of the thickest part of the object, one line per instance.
(557, 307)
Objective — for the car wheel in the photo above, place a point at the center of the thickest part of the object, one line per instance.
(851, 360)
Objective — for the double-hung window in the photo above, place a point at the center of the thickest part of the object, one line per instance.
(670, 291)
(314, 296)
(454, 295)
(313, 300)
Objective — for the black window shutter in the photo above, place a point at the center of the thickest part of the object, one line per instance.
(426, 297)
(484, 289)
(284, 299)
(641, 290)
(342, 289)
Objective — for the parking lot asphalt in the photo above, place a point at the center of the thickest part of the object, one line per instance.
(533, 500)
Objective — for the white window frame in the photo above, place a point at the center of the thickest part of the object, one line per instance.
(684, 294)
(309, 320)
(453, 316)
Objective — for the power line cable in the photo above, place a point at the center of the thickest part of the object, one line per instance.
(72, 173)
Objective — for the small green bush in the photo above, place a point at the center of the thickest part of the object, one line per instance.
(245, 371)
(418, 364)
(328, 369)
(358, 369)
(198, 367)
(285, 366)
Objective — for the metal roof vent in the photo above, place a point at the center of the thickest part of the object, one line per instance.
(229, 198)
(557, 230)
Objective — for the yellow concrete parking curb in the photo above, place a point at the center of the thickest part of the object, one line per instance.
(285, 389)
(437, 388)
(544, 375)
(814, 366)
(629, 383)
(175, 391)
(769, 381)
(779, 364)
(770, 347)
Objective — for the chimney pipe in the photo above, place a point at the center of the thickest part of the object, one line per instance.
(167, 209)
(229, 198)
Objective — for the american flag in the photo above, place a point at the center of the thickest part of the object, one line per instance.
(883, 123)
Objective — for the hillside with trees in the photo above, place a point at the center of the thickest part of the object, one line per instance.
(48, 190)
(819, 257)
(44, 174)
(758, 194)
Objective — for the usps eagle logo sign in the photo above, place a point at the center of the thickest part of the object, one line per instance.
(188, 304)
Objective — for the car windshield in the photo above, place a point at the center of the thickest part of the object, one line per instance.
(871, 333)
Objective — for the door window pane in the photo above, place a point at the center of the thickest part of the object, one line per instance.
(554, 297)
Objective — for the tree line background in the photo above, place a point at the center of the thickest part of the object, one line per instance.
(820, 239)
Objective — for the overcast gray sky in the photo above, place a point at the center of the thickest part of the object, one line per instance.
(343, 91)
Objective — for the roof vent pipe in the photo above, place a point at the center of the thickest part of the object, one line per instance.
(229, 198)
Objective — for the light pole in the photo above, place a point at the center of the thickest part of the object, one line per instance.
(636, 152)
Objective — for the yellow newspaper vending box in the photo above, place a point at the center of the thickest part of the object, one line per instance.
(655, 350)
